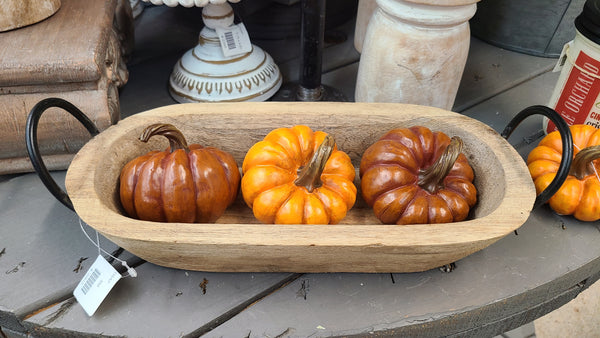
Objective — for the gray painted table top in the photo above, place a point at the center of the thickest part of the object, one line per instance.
(510, 283)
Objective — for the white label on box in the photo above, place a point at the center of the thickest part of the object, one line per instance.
(96, 284)
(234, 40)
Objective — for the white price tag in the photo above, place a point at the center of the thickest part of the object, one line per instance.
(96, 284)
(234, 39)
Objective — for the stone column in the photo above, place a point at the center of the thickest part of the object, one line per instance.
(414, 51)
(363, 16)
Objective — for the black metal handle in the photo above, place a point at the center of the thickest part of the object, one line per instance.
(32, 142)
(567, 146)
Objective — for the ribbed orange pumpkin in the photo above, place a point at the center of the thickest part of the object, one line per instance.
(408, 178)
(188, 184)
(580, 193)
(297, 176)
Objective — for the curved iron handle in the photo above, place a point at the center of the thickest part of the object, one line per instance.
(567, 146)
(32, 142)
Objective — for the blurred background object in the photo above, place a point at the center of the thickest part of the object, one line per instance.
(534, 27)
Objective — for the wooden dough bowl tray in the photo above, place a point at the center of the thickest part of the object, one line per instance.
(237, 242)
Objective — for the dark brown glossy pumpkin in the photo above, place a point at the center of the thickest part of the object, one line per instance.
(415, 175)
(181, 184)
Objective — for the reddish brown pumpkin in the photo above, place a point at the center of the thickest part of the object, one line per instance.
(413, 175)
(181, 184)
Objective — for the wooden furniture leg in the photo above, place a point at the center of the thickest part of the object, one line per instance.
(414, 51)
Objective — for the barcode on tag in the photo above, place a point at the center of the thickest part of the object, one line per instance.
(90, 281)
(229, 40)
(234, 40)
(96, 284)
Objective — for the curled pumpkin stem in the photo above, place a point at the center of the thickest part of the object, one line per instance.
(432, 178)
(175, 137)
(582, 164)
(310, 175)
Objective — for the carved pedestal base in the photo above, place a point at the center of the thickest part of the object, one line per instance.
(204, 74)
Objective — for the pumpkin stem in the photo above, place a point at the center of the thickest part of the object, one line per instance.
(582, 164)
(310, 175)
(175, 137)
(432, 178)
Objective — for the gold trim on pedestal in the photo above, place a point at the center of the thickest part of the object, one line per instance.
(241, 99)
(228, 75)
(222, 62)
(217, 17)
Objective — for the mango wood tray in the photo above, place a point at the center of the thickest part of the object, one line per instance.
(237, 242)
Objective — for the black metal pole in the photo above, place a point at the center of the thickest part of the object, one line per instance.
(312, 41)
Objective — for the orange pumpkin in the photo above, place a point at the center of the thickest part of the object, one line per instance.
(415, 176)
(579, 195)
(297, 176)
(182, 184)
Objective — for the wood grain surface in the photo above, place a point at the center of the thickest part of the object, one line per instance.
(359, 244)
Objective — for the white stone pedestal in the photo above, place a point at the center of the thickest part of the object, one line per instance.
(205, 74)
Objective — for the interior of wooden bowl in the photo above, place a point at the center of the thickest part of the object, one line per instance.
(235, 131)
(359, 244)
